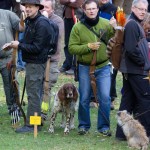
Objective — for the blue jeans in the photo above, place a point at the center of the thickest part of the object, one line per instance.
(103, 91)
(20, 62)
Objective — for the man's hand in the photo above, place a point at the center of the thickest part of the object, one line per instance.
(113, 22)
(14, 44)
(45, 13)
(110, 45)
(72, 1)
(94, 46)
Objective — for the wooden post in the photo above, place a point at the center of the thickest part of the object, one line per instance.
(35, 127)
(35, 120)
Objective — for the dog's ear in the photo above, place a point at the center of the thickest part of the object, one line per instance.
(75, 93)
(61, 93)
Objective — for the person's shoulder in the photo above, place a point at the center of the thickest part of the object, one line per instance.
(7, 12)
(42, 23)
(103, 20)
(131, 23)
(42, 20)
(55, 18)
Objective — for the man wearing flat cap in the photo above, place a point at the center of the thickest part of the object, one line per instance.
(34, 53)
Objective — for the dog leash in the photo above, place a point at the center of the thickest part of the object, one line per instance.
(141, 114)
(135, 117)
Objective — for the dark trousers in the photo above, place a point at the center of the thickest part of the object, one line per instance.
(136, 100)
(8, 88)
(69, 59)
(113, 93)
(34, 88)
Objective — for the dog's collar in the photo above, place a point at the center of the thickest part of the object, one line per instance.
(126, 122)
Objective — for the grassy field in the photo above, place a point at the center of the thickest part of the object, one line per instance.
(9, 140)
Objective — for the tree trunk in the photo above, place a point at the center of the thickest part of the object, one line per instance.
(118, 3)
(126, 4)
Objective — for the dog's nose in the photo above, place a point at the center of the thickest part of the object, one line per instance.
(70, 94)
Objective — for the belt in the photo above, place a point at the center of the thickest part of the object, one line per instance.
(83, 63)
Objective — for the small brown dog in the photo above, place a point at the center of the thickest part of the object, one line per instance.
(133, 130)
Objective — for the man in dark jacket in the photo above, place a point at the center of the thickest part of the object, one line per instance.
(135, 66)
(34, 53)
(70, 8)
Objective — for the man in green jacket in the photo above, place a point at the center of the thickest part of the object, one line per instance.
(84, 42)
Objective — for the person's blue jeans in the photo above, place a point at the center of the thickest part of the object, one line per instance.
(20, 62)
(103, 94)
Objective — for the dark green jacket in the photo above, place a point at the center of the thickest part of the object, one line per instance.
(80, 37)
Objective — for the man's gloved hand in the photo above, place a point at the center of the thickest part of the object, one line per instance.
(94, 46)
(110, 45)
(8, 65)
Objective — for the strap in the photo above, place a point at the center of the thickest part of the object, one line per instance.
(100, 37)
(92, 76)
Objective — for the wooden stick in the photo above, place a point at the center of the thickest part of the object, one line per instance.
(35, 127)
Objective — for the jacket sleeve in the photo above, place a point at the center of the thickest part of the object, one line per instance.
(132, 36)
(75, 45)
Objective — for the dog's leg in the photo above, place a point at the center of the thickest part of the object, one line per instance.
(72, 126)
(132, 142)
(68, 114)
(52, 121)
(145, 147)
(62, 125)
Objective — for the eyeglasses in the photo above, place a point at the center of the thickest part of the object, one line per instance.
(89, 9)
(141, 9)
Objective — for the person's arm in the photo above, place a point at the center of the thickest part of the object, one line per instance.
(72, 3)
(75, 43)
(132, 36)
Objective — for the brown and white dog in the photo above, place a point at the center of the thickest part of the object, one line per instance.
(66, 102)
(133, 130)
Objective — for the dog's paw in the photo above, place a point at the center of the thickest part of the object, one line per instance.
(51, 130)
(66, 131)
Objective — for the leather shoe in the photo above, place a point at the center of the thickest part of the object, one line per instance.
(62, 69)
(26, 129)
(70, 72)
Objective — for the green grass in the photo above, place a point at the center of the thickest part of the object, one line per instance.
(9, 140)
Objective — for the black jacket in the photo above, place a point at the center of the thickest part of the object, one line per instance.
(135, 53)
(36, 39)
